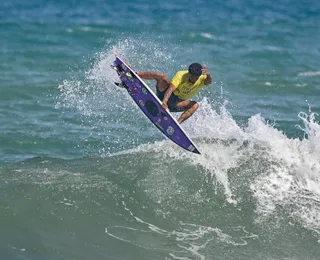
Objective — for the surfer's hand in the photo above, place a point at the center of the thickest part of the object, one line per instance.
(205, 70)
(165, 106)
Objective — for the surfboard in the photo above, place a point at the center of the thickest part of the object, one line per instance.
(150, 105)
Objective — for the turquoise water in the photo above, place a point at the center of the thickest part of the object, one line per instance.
(84, 174)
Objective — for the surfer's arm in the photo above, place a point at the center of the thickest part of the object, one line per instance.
(152, 75)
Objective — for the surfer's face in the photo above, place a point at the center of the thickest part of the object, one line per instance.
(193, 78)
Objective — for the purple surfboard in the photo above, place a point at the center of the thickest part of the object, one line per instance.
(150, 104)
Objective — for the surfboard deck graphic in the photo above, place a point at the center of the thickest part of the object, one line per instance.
(150, 104)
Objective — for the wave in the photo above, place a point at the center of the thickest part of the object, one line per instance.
(255, 163)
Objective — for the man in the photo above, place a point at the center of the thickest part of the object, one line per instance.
(176, 94)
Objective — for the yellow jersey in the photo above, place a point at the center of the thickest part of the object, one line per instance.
(184, 88)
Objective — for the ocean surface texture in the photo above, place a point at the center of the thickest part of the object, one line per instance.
(85, 175)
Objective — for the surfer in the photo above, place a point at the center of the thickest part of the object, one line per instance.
(175, 95)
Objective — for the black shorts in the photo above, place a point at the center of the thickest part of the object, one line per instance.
(172, 101)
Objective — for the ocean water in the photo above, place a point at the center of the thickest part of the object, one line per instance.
(85, 175)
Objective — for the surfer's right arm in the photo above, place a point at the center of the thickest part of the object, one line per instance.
(152, 75)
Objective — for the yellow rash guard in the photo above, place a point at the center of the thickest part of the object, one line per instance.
(184, 88)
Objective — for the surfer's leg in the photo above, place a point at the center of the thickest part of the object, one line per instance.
(162, 83)
(161, 90)
(189, 107)
(160, 95)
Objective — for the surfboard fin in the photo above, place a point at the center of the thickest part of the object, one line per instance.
(120, 85)
(114, 67)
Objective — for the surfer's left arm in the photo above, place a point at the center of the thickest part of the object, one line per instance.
(208, 80)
